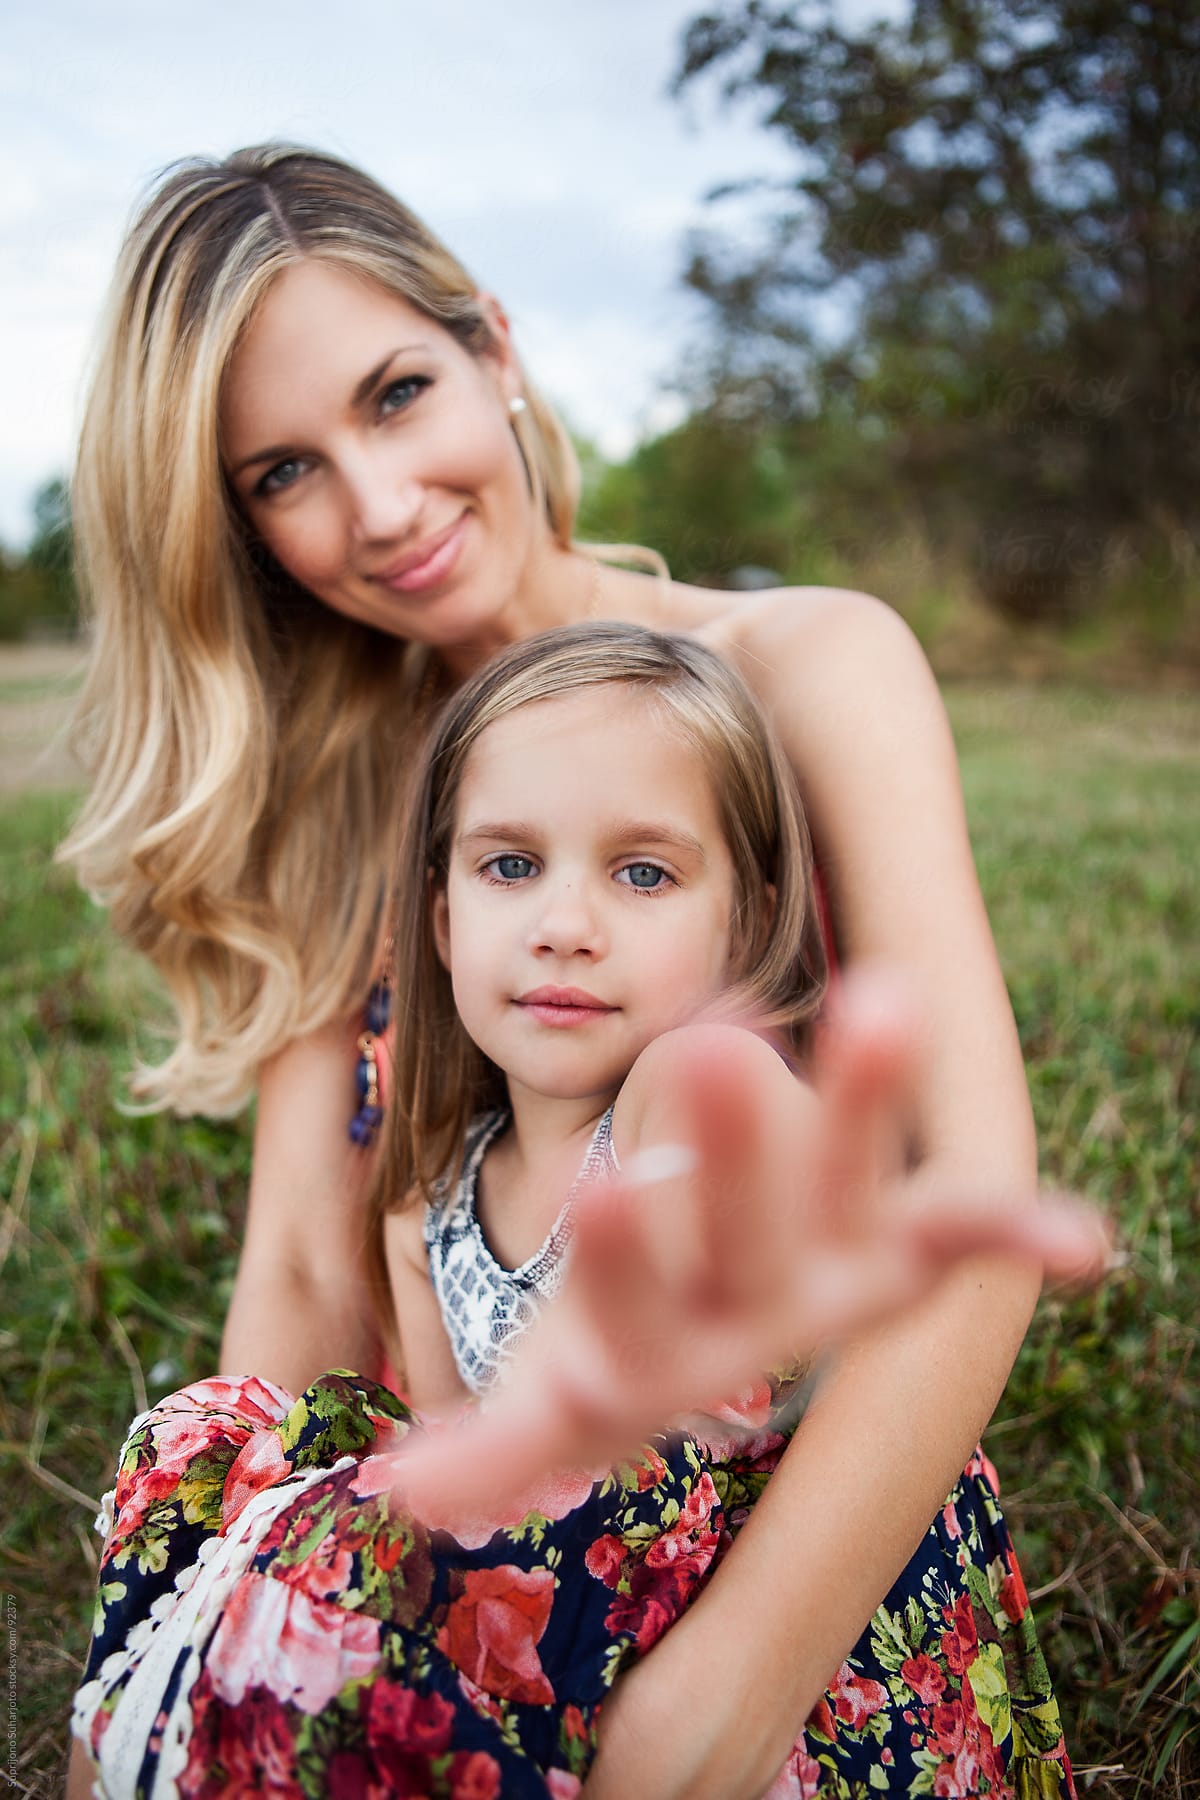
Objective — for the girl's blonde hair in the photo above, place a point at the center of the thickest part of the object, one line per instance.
(246, 744)
(440, 1079)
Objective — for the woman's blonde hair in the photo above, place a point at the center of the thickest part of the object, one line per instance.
(440, 1078)
(246, 744)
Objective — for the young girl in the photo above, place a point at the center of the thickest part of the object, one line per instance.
(605, 845)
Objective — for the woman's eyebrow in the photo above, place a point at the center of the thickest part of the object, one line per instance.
(363, 390)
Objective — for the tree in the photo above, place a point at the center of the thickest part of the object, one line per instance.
(1000, 199)
(51, 547)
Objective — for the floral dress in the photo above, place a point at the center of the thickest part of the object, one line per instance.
(271, 1620)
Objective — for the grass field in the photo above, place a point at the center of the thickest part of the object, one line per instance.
(118, 1235)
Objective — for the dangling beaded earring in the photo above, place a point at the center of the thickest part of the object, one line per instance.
(376, 1019)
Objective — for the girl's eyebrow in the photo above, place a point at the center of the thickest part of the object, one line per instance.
(361, 393)
(639, 832)
(505, 831)
(631, 834)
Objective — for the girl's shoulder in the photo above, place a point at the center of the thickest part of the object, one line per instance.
(652, 1106)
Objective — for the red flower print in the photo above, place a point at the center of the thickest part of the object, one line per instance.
(260, 1462)
(405, 1730)
(492, 1628)
(856, 1698)
(1013, 1597)
(820, 1720)
(799, 1778)
(650, 1468)
(960, 1645)
(304, 1650)
(562, 1785)
(950, 1520)
(253, 1403)
(654, 1602)
(964, 1742)
(605, 1558)
(347, 1777)
(924, 1677)
(239, 1750)
(485, 1704)
(574, 1726)
(474, 1775)
(399, 1716)
(982, 1464)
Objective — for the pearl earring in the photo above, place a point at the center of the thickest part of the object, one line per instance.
(516, 405)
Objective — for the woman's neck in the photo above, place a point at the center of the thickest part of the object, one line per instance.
(554, 587)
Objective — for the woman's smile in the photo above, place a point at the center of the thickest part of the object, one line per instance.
(430, 563)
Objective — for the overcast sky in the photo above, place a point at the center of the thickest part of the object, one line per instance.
(536, 136)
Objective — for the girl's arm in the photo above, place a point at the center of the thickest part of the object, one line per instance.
(429, 1377)
(301, 1303)
(876, 1454)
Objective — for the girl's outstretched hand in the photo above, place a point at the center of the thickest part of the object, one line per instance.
(763, 1236)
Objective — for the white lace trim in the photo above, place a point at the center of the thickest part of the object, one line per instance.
(485, 1307)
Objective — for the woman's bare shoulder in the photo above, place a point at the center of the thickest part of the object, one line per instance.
(806, 629)
(796, 631)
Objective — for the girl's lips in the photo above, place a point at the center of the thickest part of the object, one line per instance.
(564, 1006)
(433, 565)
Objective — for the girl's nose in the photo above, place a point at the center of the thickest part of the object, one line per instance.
(568, 922)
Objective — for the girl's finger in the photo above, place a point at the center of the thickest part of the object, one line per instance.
(865, 1075)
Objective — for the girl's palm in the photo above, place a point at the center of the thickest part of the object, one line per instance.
(767, 1240)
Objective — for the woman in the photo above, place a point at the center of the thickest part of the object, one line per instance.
(316, 489)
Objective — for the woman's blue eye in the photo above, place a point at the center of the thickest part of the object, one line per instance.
(281, 476)
(646, 876)
(399, 394)
(511, 868)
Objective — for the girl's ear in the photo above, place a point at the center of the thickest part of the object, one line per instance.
(439, 916)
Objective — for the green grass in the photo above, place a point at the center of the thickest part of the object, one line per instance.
(119, 1235)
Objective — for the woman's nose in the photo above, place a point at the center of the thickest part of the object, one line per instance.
(568, 922)
(384, 497)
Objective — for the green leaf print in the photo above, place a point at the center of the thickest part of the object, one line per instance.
(110, 1593)
(989, 1685)
(1038, 1728)
(888, 1640)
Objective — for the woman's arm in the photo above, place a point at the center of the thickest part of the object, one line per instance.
(876, 1454)
(301, 1302)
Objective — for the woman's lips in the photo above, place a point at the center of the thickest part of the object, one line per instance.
(564, 1006)
(429, 565)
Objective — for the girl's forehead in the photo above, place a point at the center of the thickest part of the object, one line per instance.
(588, 743)
(575, 714)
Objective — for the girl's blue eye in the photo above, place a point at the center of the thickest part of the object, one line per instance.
(399, 394)
(646, 877)
(511, 868)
